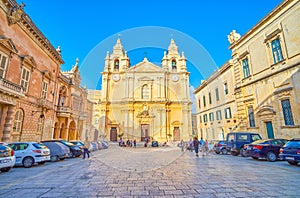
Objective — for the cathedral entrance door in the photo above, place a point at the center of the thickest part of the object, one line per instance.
(144, 131)
(176, 134)
(113, 134)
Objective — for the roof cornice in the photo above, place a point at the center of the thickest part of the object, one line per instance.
(31, 29)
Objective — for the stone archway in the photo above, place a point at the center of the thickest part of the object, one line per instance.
(62, 133)
(72, 131)
(56, 132)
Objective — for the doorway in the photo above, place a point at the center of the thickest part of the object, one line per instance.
(113, 134)
(176, 134)
(270, 131)
(144, 131)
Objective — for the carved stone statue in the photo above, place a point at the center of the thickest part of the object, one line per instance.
(233, 37)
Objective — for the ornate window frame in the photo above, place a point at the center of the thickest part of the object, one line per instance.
(269, 38)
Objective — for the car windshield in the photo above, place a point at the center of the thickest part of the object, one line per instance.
(77, 143)
(261, 142)
(295, 144)
(67, 143)
(39, 146)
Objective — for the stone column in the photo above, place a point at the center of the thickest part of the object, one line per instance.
(7, 125)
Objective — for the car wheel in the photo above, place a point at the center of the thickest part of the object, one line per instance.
(292, 162)
(224, 151)
(5, 169)
(71, 155)
(53, 158)
(271, 157)
(218, 152)
(28, 162)
(243, 154)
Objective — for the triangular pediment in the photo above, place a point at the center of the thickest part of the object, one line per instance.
(26, 59)
(8, 44)
(146, 66)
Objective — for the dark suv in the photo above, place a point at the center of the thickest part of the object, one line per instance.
(237, 140)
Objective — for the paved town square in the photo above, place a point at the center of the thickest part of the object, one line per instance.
(153, 172)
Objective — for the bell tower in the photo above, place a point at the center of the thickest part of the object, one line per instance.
(173, 61)
(118, 61)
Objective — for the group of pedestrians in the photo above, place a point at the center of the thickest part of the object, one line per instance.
(128, 143)
(197, 145)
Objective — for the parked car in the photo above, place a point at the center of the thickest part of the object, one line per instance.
(220, 147)
(93, 146)
(58, 151)
(75, 150)
(154, 143)
(7, 158)
(77, 143)
(236, 140)
(291, 151)
(104, 144)
(266, 149)
(29, 153)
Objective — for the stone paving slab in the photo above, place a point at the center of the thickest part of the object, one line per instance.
(164, 173)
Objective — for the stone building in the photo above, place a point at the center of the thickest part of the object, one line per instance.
(30, 80)
(145, 100)
(73, 109)
(265, 71)
(216, 107)
(266, 63)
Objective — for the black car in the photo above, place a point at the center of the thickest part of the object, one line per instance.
(154, 143)
(266, 149)
(236, 140)
(220, 147)
(291, 151)
(75, 150)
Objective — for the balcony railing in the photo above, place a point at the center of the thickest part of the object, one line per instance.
(63, 111)
(11, 88)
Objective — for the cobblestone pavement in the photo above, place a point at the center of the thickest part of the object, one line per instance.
(153, 172)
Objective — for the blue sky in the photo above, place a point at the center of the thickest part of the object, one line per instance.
(79, 26)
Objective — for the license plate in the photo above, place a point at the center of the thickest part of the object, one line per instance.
(289, 158)
(5, 161)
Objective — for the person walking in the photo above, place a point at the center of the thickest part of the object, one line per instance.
(206, 147)
(191, 145)
(182, 145)
(202, 146)
(196, 146)
(85, 152)
(134, 143)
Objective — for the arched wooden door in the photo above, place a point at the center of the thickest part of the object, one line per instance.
(113, 134)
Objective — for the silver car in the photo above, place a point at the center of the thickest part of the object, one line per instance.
(7, 158)
(29, 153)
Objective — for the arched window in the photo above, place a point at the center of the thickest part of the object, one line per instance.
(116, 65)
(145, 92)
(18, 121)
(62, 96)
(174, 67)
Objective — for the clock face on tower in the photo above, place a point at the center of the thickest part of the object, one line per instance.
(116, 77)
(174, 77)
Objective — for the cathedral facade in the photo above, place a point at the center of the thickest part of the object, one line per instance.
(144, 100)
